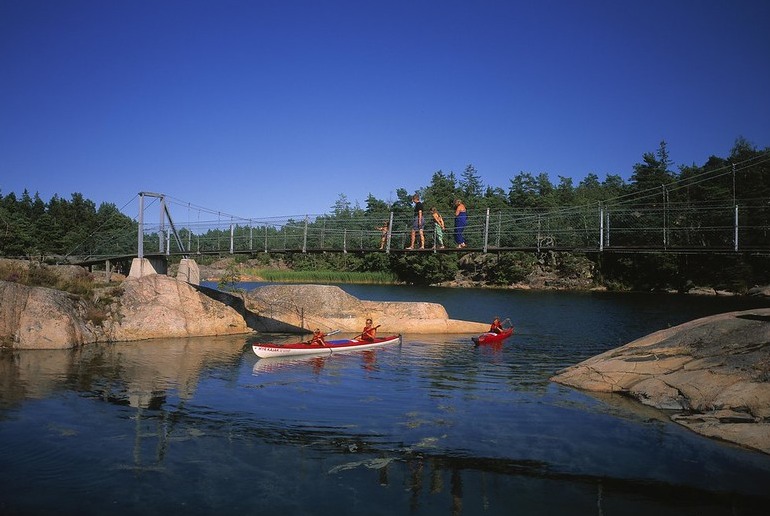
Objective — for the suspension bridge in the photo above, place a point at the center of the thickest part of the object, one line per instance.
(183, 229)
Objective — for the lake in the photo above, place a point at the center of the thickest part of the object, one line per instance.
(432, 426)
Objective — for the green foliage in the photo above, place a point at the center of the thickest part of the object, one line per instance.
(510, 268)
(643, 271)
(471, 186)
(31, 228)
(441, 192)
(325, 276)
(649, 176)
(425, 269)
(230, 278)
(375, 262)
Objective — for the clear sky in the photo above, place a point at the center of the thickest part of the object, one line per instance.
(264, 108)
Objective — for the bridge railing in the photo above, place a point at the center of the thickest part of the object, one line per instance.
(654, 227)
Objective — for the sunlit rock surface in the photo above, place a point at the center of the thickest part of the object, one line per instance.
(41, 318)
(159, 306)
(292, 307)
(712, 375)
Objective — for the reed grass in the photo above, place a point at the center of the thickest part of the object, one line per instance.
(322, 276)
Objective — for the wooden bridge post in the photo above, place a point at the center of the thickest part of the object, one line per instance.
(390, 233)
(486, 231)
(735, 223)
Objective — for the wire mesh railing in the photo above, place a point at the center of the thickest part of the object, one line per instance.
(656, 227)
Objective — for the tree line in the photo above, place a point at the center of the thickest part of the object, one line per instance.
(33, 228)
(652, 180)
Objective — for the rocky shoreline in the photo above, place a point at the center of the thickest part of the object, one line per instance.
(547, 274)
(159, 306)
(711, 375)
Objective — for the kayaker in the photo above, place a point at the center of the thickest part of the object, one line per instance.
(497, 326)
(369, 332)
(318, 338)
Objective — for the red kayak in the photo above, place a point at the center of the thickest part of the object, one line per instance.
(490, 337)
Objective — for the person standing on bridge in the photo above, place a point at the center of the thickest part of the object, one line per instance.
(384, 230)
(438, 223)
(419, 222)
(461, 219)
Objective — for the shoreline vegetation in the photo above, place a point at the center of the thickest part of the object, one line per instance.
(316, 276)
(518, 271)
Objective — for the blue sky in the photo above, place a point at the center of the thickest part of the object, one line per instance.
(266, 108)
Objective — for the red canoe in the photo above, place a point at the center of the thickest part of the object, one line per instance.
(490, 337)
(331, 347)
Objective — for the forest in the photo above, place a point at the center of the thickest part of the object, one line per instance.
(52, 231)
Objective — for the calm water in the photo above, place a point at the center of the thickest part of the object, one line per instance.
(433, 426)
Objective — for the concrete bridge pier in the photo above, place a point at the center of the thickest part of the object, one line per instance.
(189, 271)
(141, 267)
(188, 268)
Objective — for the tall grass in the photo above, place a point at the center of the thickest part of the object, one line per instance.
(322, 276)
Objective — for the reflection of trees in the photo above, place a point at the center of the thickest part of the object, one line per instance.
(142, 380)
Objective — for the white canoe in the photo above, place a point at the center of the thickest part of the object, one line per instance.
(268, 350)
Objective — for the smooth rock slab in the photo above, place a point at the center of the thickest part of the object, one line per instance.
(713, 374)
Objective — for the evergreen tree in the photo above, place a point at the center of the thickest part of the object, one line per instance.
(376, 207)
(441, 192)
(523, 191)
(652, 174)
(341, 207)
(471, 187)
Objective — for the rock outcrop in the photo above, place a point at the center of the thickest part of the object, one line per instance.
(763, 291)
(297, 307)
(41, 318)
(159, 306)
(711, 375)
(150, 307)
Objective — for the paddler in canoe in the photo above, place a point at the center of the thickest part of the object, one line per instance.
(369, 333)
(318, 338)
(496, 327)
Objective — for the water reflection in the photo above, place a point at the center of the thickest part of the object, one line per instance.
(433, 426)
(135, 373)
